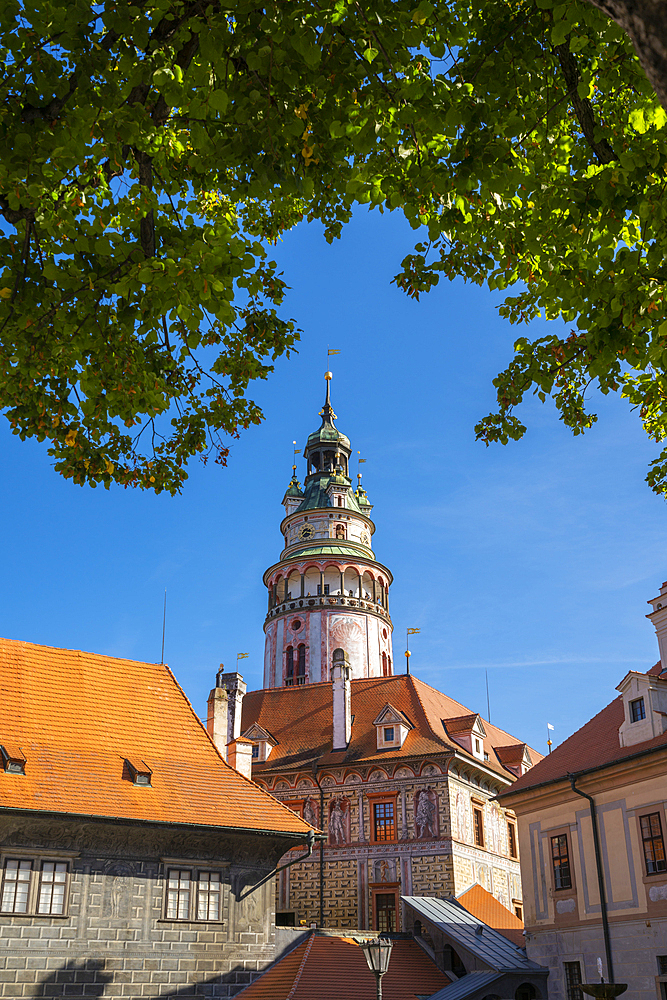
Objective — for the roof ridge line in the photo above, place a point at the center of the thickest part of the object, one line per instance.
(291, 994)
(472, 712)
(439, 739)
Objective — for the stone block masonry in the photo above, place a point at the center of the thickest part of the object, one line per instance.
(115, 937)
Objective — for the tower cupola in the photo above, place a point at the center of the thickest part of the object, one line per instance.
(327, 591)
(327, 449)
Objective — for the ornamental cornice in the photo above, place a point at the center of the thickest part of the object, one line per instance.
(328, 603)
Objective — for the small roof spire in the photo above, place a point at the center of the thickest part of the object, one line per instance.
(327, 413)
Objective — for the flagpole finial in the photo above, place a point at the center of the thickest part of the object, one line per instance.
(327, 412)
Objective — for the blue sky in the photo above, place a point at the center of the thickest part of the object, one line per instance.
(533, 561)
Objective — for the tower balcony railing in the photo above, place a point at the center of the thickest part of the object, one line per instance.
(326, 601)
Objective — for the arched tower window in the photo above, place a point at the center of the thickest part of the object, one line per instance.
(301, 665)
(340, 530)
(385, 672)
(289, 669)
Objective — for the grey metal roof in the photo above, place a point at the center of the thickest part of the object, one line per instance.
(466, 985)
(490, 946)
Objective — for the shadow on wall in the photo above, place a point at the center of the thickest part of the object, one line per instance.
(89, 978)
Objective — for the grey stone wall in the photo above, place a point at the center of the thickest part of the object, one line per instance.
(635, 945)
(115, 940)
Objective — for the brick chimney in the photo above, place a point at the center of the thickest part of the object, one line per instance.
(225, 704)
(659, 619)
(342, 708)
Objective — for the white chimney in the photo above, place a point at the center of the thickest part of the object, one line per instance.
(342, 708)
(225, 704)
(216, 721)
(659, 619)
(240, 756)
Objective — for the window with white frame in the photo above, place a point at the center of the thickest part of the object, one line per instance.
(193, 894)
(34, 886)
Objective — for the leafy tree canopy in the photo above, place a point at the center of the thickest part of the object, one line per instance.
(153, 151)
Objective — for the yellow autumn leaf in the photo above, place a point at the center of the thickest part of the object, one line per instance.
(5, 293)
(71, 438)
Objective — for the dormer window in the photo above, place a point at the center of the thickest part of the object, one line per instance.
(392, 728)
(140, 773)
(13, 759)
(637, 710)
(468, 731)
(262, 743)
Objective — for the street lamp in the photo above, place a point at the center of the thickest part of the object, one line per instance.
(378, 953)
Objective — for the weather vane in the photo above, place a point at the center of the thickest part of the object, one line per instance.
(408, 654)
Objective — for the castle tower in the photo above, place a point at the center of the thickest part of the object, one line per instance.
(327, 591)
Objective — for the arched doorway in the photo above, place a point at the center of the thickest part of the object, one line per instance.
(526, 992)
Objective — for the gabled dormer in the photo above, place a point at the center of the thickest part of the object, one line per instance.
(468, 731)
(263, 742)
(515, 758)
(644, 707)
(391, 727)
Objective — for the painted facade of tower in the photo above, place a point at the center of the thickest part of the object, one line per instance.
(327, 591)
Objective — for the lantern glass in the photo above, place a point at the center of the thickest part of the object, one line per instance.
(378, 953)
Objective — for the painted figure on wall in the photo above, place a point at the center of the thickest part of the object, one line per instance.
(426, 813)
(310, 811)
(339, 822)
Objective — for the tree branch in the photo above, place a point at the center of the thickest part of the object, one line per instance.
(583, 108)
(645, 24)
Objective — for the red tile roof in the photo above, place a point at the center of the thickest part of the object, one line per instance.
(300, 720)
(479, 901)
(77, 716)
(461, 724)
(595, 745)
(334, 968)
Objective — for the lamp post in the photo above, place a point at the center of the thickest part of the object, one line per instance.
(378, 953)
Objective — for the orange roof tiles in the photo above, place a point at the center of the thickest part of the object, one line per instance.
(479, 901)
(300, 720)
(331, 968)
(461, 723)
(595, 745)
(77, 716)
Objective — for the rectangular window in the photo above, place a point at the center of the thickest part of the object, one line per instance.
(385, 912)
(637, 710)
(52, 884)
(561, 862)
(573, 980)
(178, 894)
(319, 589)
(193, 895)
(654, 846)
(511, 840)
(662, 965)
(518, 911)
(208, 903)
(384, 823)
(16, 886)
(478, 825)
(389, 734)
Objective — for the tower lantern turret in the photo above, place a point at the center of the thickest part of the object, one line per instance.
(327, 591)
